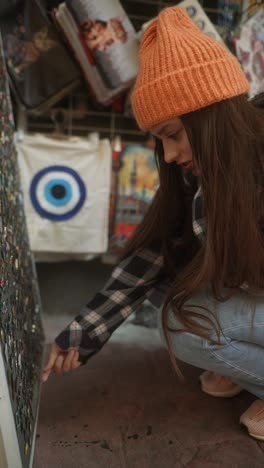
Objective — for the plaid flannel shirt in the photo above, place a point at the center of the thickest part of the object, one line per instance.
(136, 278)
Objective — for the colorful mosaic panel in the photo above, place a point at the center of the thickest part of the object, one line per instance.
(21, 334)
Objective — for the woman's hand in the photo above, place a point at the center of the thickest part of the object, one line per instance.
(60, 361)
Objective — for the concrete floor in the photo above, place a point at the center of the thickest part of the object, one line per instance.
(126, 408)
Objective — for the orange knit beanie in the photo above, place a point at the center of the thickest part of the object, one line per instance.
(181, 70)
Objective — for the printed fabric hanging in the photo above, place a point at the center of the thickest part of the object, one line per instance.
(66, 185)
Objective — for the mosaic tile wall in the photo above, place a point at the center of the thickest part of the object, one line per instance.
(21, 334)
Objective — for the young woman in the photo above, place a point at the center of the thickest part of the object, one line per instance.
(199, 251)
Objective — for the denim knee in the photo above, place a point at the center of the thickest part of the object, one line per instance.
(185, 346)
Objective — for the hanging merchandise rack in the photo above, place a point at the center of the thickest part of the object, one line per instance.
(84, 116)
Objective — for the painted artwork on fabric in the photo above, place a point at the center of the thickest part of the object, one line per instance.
(134, 183)
(40, 67)
(108, 34)
(57, 193)
(21, 333)
(21, 52)
(66, 186)
(99, 34)
(250, 52)
(251, 7)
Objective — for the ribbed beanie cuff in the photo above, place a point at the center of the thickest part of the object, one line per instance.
(182, 70)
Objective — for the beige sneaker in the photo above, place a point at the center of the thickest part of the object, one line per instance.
(218, 386)
(253, 420)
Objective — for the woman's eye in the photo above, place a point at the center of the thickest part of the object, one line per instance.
(175, 136)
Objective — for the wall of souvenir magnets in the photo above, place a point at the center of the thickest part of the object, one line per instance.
(21, 333)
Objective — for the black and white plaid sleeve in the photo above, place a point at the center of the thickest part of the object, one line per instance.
(131, 282)
(198, 216)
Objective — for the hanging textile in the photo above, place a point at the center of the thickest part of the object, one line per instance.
(134, 183)
(250, 52)
(66, 185)
(104, 42)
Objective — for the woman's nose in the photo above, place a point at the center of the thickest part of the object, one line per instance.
(170, 156)
(170, 152)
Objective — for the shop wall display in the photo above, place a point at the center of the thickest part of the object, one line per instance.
(21, 333)
(40, 68)
(104, 42)
(86, 116)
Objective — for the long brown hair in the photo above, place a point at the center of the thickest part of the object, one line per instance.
(227, 140)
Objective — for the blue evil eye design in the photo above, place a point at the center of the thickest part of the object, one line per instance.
(57, 193)
(192, 11)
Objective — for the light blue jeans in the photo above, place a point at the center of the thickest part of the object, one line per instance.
(240, 352)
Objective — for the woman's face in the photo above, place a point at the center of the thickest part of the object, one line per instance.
(176, 145)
